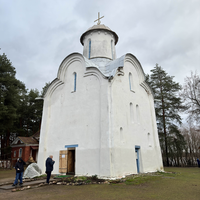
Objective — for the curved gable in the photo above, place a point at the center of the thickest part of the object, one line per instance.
(67, 62)
(62, 70)
(135, 62)
(141, 75)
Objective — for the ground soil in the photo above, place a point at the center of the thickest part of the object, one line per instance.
(184, 186)
(7, 175)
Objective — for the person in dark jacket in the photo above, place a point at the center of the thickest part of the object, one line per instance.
(49, 167)
(19, 167)
(198, 162)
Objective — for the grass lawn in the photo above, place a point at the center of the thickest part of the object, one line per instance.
(184, 185)
(7, 175)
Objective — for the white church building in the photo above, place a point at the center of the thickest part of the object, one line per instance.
(98, 115)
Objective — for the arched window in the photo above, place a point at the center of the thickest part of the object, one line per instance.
(149, 139)
(131, 113)
(137, 113)
(131, 81)
(75, 77)
(89, 53)
(112, 53)
(121, 134)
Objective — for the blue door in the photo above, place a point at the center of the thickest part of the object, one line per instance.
(137, 148)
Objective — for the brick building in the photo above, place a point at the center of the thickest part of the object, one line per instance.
(24, 147)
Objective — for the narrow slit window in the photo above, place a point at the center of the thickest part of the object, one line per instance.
(121, 134)
(130, 81)
(112, 48)
(149, 139)
(131, 113)
(75, 77)
(137, 113)
(89, 53)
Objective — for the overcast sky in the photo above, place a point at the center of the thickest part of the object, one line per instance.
(36, 35)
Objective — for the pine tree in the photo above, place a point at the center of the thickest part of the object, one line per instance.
(11, 90)
(167, 106)
(44, 89)
(30, 113)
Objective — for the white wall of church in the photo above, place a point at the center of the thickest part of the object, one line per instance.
(74, 118)
(133, 124)
(105, 119)
(104, 115)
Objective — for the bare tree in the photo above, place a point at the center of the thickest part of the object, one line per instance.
(191, 96)
(191, 135)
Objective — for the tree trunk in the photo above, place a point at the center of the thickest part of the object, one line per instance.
(165, 132)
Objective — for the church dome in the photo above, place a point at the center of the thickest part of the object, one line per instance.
(99, 27)
(99, 42)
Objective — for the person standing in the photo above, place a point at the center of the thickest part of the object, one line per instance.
(198, 162)
(19, 167)
(49, 167)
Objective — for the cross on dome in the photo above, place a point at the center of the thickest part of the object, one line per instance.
(99, 22)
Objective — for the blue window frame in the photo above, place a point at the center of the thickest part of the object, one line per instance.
(89, 49)
(75, 76)
(137, 148)
(71, 146)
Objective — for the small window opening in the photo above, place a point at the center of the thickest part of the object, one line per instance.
(131, 81)
(112, 49)
(137, 113)
(89, 53)
(149, 139)
(20, 152)
(75, 77)
(121, 134)
(131, 113)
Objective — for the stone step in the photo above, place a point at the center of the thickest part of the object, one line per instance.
(25, 184)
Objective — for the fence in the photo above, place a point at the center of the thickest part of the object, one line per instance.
(188, 161)
(6, 164)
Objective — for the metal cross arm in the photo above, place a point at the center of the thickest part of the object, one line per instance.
(99, 22)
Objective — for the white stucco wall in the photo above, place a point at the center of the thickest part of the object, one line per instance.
(102, 45)
(139, 129)
(92, 117)
(77, 118)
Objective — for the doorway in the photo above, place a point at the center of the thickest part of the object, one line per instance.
(67, 161)
(137, 156)
(71, 162)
